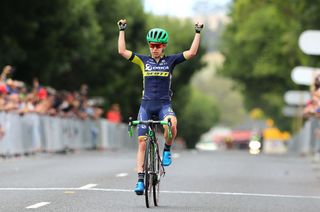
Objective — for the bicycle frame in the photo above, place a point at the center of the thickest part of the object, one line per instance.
(153, 167)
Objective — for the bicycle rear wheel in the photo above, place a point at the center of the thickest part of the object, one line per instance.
(148, 175)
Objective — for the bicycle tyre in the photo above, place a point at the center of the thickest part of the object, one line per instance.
(148, 176)
(156, 178)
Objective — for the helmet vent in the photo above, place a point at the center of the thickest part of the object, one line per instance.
(160, 35)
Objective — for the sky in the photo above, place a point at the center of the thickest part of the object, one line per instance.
(185, 8)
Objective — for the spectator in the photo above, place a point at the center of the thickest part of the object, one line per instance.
(8, 69)
(84, 90)
(2, 132)
(15, 97)
(3, 88)
(13, 103)
(114, 114)
(316, 84)
(312, 107)
(11, 86)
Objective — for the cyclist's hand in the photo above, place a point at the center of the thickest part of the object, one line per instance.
(198, 27)
(122, 24)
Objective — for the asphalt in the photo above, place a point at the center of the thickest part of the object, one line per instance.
(196, 181)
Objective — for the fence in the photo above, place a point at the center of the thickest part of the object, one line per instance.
(307, 141)
(32, 133)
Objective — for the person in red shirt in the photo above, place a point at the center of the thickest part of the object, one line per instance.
(114, 114)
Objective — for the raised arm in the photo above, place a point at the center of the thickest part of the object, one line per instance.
(195, 43)
(122, 50)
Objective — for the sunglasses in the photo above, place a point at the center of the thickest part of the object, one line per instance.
(157, 45)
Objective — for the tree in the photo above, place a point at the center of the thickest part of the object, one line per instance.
(197, 114)
(51, 40)
(66, 43)
(261, 49)
(119, 81)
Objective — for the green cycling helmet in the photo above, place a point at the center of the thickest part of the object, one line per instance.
(157, 35)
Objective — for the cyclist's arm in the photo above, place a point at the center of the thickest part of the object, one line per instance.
(122, 50)
(194, 47)
(195, 43)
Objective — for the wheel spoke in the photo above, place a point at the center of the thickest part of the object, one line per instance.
(147, 174)
(156, 177)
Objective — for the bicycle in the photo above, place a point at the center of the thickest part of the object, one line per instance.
(153, 167)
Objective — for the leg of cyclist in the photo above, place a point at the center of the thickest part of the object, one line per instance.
(140, 153)
(140, 160)
(142, 130)
(166, 158)
(169, 141)
(166, 113)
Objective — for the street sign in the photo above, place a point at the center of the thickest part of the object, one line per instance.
(297, 97)
(291, 111)
(303, 75)
(309, 42)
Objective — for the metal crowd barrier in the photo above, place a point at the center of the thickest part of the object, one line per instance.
(33, 133)
(307, 140)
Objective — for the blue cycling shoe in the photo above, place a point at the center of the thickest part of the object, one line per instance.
(139, 188)
(166, 158)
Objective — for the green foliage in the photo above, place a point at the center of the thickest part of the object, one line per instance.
(117, 79)
(66, 43)
(69, 42)
(48, 39)
(261, 49)
(220, 88)
(197, 115)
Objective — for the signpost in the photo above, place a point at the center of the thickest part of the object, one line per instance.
(303, 75)
(297, 97)
(309, 42)
(292, 111)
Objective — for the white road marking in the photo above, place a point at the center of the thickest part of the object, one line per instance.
(122, 175)
(88, 186)
(69, 192)
(170, 192)
(38, 205)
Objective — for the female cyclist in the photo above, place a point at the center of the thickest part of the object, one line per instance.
(157, 70)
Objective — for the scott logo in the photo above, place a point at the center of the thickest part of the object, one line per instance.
(156, 74)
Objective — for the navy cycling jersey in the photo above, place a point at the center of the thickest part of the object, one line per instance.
(157, 76)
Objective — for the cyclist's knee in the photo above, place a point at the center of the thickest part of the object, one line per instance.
(174, 130)
(142, 142)
(173, 126)
(173, 120)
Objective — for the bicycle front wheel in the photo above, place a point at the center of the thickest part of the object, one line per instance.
(156, 179)
(148, 175)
